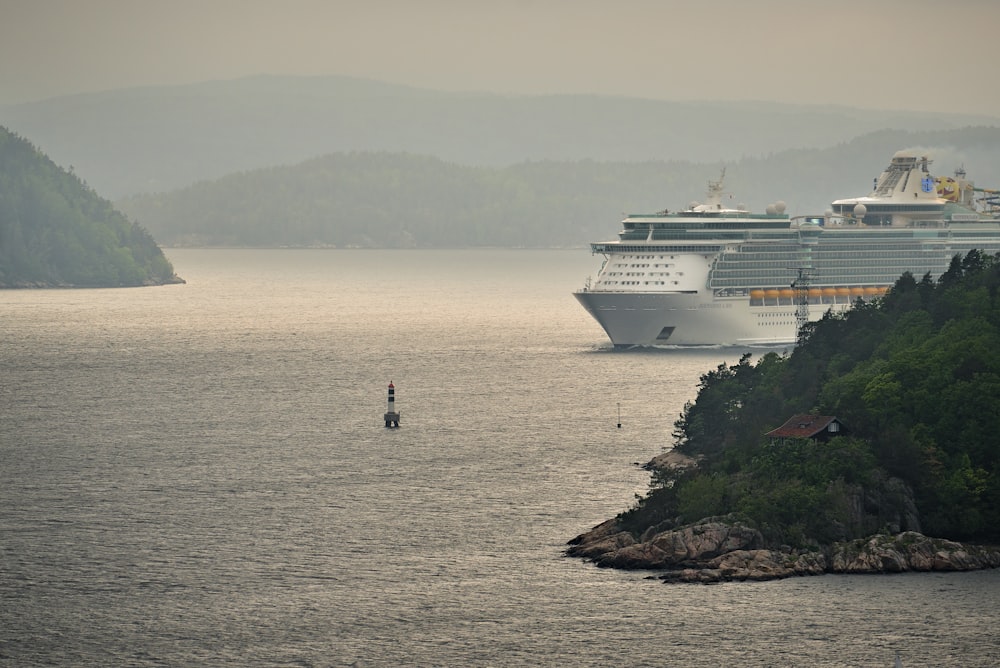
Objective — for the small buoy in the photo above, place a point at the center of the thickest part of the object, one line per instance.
(391, 415)
(619, 415)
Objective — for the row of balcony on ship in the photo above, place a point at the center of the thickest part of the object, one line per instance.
(816, 295)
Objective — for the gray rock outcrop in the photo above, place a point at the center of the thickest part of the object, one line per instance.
(715, 550)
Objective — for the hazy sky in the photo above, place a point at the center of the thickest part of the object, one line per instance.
(936, 55)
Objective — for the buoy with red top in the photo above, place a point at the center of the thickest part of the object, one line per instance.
(391, 416)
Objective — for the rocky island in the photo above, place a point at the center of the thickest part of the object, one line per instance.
(715, 550)
(871, 448)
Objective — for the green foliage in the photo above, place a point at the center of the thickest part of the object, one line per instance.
(54, 231)
(813, 462)
(915, 377)
(788, 511)
(707, 425)
(703, 496)
(656, 509)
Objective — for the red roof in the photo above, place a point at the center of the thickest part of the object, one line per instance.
(805, 426)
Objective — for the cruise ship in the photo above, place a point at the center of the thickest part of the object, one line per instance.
(717, 276)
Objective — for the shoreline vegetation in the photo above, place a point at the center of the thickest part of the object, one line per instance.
(910, 484)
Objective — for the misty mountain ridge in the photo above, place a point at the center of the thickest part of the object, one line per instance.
(374, 199)
(159, 138)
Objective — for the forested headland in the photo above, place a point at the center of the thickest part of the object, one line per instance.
(57, 232)
(915, 380)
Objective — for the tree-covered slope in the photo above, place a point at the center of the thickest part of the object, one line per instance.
(56, 232)
(915, 377)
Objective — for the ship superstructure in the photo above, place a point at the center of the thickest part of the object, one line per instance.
(711, 275)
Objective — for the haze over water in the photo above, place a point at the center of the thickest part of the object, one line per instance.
(914, 55)
(199, 475)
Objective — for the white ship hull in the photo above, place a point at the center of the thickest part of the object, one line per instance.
(689, 319)
(715, 276)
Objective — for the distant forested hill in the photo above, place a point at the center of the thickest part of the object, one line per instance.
(56, 232)
(153, 139)
(400, 200)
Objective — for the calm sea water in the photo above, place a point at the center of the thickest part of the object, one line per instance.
(199, 475)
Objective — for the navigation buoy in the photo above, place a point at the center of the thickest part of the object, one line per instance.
(619, 415)
(391, 416)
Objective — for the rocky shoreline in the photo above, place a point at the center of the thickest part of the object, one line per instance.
(716, 550)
